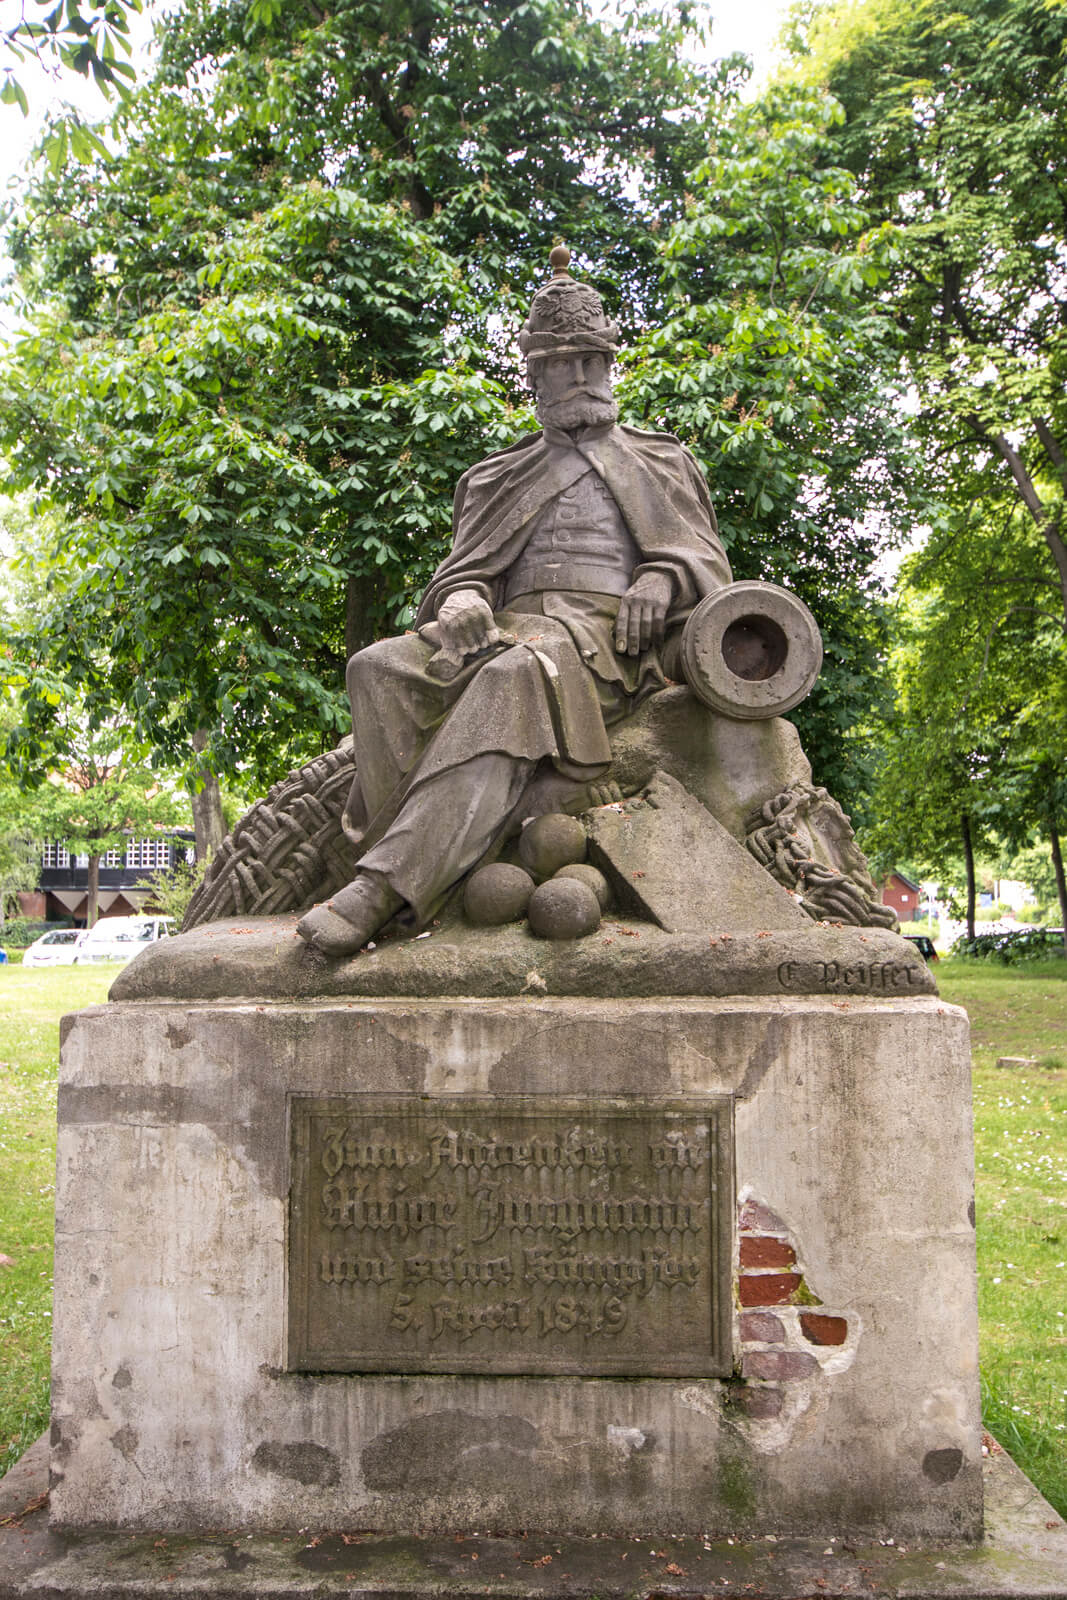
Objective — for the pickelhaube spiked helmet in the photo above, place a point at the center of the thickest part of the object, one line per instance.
(566, 316)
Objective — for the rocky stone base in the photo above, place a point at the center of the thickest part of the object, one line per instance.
(265, 958)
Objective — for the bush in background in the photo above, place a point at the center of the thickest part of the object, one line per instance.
(1021, 944)
(18, 933)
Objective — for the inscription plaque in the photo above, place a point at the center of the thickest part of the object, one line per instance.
(468, 1235)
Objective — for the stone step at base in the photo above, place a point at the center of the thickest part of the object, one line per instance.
(1023, 1557)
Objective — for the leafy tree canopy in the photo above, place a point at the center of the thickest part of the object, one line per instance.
(956, 126)
(956, 130)
(776, 361)
(976, 751)
(261, 347)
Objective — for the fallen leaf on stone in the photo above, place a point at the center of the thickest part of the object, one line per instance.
(542, 1561)
(14, 1518)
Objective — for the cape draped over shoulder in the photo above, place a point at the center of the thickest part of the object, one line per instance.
(657, 486)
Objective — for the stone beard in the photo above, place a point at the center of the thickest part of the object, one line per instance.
(587, 405)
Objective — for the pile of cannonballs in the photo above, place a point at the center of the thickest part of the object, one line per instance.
(554, 888)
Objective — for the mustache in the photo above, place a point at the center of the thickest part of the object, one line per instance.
(585, 391)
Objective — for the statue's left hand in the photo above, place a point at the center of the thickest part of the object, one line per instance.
(642, 614)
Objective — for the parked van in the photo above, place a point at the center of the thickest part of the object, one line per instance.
(121, 938)
(59, 948)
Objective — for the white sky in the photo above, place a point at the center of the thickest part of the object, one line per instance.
(749, 26)
(739, 25)
(47, 90)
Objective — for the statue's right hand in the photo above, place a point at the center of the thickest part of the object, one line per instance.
(466, 622)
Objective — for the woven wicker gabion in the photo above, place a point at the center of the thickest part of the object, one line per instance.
(288, 851)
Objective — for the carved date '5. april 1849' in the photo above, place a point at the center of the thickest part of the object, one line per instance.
(478, 1236)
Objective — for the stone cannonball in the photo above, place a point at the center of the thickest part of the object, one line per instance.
(497, 893)
(550, 842)
(563, 908)
(583, 873)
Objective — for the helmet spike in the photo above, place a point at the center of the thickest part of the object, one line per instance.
(559, 259)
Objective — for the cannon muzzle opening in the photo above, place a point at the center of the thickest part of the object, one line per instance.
(751, 650)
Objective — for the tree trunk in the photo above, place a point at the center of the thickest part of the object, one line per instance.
(93, 892)
(209, 825)
(359, 612)
(1045, 521)
(1061, 880)
(1052, 448)
(968, 858)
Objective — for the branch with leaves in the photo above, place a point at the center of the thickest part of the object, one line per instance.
(87, 37)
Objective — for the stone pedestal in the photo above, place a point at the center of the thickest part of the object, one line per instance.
(701, 1264)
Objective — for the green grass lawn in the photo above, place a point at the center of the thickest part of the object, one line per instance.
(1020, 1116)
(32, 1000)
(1021, 1138)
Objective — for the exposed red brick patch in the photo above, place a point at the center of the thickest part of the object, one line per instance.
(820, 1329)
(759, 1403)
(762, 1325)
(778, 1365)
(757, 1218)
(756, 1252)
(767, 1288)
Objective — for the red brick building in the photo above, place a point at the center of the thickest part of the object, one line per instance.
(904, 896)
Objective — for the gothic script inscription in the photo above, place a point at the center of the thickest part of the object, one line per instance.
(463, 1235)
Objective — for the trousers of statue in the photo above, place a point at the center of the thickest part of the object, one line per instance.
(442, 766)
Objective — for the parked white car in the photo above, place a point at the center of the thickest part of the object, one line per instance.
(121, 938)
(56, 949)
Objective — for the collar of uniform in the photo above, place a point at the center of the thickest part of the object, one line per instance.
(589, 435)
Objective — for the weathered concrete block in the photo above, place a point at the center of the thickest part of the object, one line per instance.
(848, 1398)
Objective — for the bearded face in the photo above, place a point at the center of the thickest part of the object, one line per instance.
(573, 391)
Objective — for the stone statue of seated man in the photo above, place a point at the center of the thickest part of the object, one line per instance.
(547, 672)
(578, 554)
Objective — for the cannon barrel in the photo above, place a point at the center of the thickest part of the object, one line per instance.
(751, 650)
